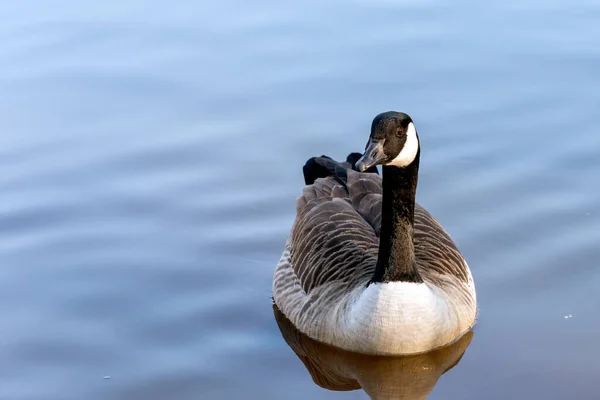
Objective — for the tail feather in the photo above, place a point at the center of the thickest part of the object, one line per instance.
(324, 166)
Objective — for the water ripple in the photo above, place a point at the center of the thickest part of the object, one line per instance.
(152, 156)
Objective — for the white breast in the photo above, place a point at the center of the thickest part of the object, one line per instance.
(393, 318)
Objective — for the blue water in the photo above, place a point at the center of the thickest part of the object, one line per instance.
(151, 156)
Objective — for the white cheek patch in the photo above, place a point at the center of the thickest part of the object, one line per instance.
(410, 149)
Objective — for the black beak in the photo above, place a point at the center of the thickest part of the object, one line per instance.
(373, 155)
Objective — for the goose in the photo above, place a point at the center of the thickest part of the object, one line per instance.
(365, 268)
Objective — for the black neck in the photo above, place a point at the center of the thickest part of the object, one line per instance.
(396, 260)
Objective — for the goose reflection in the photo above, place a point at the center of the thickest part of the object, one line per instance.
(381, 377)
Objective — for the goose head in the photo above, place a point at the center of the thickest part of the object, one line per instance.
(393, 142)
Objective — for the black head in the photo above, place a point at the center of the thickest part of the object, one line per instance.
(393, 141)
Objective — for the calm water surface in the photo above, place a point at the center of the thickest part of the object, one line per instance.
(151, 155)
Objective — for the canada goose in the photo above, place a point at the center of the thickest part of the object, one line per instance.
(381, 377)
(365, 268)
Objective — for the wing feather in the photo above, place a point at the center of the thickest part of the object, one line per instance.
(335, 236)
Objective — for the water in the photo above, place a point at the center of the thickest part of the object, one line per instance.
(151, 155)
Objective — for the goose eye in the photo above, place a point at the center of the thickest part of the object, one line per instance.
(399, 132)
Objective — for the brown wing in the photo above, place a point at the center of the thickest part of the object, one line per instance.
(335, 236)
(330, 240)
(435, 251)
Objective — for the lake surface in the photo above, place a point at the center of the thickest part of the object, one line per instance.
(151, 156)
